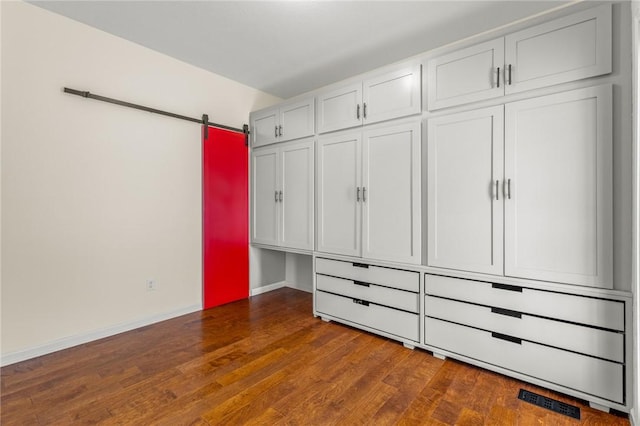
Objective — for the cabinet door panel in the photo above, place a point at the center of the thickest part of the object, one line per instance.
(391, 202)
(570, 48)
(340, 108)
(466, 75)
(297, 119)
(264, 207)
(465, 208)
(296, 220)
(264, 127)
(558, 162)
(339, 176)
(392, 95)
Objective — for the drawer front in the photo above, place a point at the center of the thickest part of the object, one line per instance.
(586, 374)
(388, 320)
(370, 292)
(396, 278)
(573, 337)
(583, 310)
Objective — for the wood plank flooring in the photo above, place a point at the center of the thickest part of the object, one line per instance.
(264, 361)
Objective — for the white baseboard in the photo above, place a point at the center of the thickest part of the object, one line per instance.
(307, 289)
(267, 288)
(275, 286)
(68, 342)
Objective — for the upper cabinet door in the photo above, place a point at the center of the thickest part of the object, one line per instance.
(264, 126)
(464, 191)
(391, 202)
(466, 75)
(264, 196)
(558, 203)
(391, 95)
(340, 108)
(297, 171)
(566, 49)
(339, 193)
(296, 120)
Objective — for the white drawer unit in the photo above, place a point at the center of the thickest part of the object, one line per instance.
(598, 377)
(405, 300)
(572, 341)
(591, 311)
(574, 337)
(361, 312)
(375, 298)
(388, 277)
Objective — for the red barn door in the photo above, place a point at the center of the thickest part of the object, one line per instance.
(225, 205)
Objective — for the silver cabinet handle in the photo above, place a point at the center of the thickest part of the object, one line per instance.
(498, 79)
(364, 194)
(280, 130)
(509, 74)
(358, 194)
(276, 131)
(276, 196)
(497, 192)
(280, 197)
(509, 188)
(364, 110)
(358, 111)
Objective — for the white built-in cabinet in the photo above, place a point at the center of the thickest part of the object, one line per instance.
(552, 176)
(368, 193)
(565, 49)
(282, 208)
(285, 122)
(390, 95)
(518, 271)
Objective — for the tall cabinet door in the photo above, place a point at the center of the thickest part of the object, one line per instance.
(264, 196)
(297, 170)
(558, 174)
(464, 198)
(391, 200)
(340, 108)
(339, 193)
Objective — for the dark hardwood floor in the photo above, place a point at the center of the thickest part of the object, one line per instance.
(264, 361)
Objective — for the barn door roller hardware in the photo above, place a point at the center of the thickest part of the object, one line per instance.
(204, 120)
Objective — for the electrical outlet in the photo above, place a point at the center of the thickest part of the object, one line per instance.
(152, 285)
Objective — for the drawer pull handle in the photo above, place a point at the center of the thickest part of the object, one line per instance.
(360, 283)
(507, 287)
(360, 265)
(507, 338)
(506, 312)
(360, 302)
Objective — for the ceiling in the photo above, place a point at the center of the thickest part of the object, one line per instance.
(290, 47)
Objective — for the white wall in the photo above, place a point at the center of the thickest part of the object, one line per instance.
(96, 198)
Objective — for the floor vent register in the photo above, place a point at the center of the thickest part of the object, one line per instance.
(549, 404)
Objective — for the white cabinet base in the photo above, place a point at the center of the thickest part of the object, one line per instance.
(439, 356)
(599, 407)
